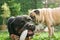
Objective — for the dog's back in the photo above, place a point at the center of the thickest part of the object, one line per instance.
(56, 15)
(53, 15)
(10, 20)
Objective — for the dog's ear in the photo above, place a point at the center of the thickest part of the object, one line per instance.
(37, 12)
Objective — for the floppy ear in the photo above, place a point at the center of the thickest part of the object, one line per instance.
(37, 12)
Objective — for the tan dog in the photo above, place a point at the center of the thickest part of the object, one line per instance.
(47, 16)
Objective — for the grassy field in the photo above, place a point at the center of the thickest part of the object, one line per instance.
(41, 36)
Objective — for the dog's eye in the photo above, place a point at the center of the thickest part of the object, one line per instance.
(22, 21)
(33, 17)
(29, 19)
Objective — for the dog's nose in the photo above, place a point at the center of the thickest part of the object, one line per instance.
(32, 27)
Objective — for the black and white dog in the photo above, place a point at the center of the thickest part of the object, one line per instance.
(20, 26)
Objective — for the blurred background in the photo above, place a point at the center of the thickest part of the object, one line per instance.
(10, 8)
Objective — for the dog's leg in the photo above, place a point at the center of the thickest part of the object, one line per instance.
(16, 37)
(51, 32)
(12, 37)
(28, 38)
(49, 24)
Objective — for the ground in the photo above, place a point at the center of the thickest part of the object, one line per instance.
(42, 36)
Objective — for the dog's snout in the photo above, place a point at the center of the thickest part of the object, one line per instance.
(32, 27)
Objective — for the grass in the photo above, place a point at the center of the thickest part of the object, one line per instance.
(44, 36)
(41, 36)
(4, 36)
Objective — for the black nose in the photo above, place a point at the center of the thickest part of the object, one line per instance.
(29, 26)
(32, 27)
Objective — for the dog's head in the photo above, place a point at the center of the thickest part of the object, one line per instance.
(35, 15)
(22, 23)
(30, 27)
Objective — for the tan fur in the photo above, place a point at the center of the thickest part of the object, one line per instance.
(49, 16)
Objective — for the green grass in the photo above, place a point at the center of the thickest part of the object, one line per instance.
(4, 36)
(41, 36)
(44, 36)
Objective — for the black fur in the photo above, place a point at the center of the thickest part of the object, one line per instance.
(18, 23)
(10, 29)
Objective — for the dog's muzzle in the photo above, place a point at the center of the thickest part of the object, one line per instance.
(28, 31)
(30, 27)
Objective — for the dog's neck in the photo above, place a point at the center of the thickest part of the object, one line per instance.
(41, 18)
